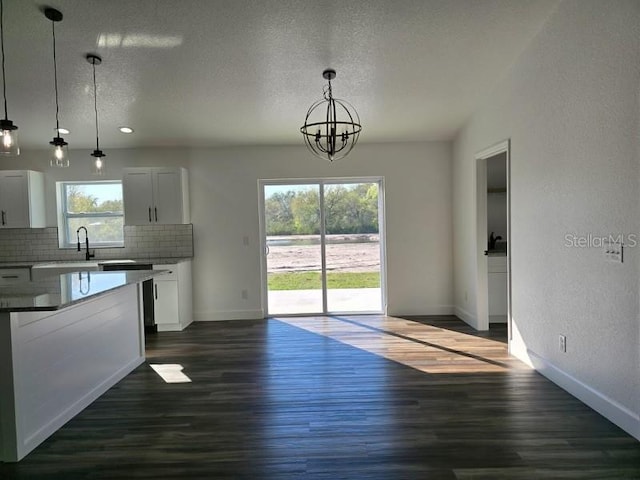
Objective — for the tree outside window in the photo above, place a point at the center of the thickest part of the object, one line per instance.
(96, 206)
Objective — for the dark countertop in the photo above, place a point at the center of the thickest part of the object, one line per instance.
(61, 291)
(153, 261)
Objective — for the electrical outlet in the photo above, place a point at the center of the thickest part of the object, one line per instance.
(613, 251)
(245, 294)
(563, 343)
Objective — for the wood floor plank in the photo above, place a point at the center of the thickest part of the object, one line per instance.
(335, 398)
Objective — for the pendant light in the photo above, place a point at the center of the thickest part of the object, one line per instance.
(99, 164)
(8, 131)
(332, 126)
(59, 156)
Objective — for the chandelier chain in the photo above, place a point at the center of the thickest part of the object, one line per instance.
(327, 92)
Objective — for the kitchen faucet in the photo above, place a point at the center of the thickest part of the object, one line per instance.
(88, 256)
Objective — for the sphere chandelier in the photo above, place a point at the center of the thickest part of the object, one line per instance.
(332, 126)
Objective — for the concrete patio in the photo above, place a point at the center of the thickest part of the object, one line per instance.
(354, 300)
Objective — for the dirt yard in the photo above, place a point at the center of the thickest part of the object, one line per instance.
(341, 257)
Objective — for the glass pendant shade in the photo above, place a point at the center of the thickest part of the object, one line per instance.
(99, 166)
(59, 153)
(59, 156)
(9, 145)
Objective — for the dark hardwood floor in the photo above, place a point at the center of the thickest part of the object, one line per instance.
(335, 398)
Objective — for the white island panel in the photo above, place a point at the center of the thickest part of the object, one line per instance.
(57, 362)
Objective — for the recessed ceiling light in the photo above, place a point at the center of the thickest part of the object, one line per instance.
(63, 131)
(126, 129)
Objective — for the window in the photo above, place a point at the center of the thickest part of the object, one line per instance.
(94, 205)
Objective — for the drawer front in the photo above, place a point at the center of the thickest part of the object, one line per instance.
(497, 265)
(10, 276)
(173, 276)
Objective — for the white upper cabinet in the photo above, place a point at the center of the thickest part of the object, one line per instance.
(155, 196)
(22, 199)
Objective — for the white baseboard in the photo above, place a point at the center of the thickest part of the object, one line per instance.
(465, 316)
(430, 310)
(214, 316)
(605, 406)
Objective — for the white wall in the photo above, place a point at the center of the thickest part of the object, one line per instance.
(224, 209)
(570, 106)
(224, 201)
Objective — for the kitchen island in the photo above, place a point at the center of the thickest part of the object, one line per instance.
(64, 341)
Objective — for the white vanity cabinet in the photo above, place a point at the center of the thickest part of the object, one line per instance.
(497, 269)
(155, 196)
(21, 199)
(172, 297)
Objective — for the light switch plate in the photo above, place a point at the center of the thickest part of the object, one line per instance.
(613, 251)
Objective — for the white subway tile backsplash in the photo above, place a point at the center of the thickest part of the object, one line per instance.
(36, 245)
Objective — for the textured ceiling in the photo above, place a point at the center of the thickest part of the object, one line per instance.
(223, 72)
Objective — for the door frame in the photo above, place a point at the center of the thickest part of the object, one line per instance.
(482, 284)
(321, 182)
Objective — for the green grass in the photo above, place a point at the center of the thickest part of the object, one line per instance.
(312, 280)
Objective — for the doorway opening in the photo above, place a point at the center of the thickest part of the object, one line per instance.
(323, 244)
(493, 283)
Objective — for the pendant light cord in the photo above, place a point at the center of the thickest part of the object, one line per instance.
(55, 76)
(95, 103)
(4, 81)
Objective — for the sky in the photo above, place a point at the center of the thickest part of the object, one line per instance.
(104, 191)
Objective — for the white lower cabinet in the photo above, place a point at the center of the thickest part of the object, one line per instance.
(497, 284)
(172, 293)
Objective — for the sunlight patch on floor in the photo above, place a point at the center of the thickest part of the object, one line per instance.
(427, 348)
(171, 372)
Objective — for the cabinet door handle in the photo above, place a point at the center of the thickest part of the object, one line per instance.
(10, 276)
(4, 217)
(156, 210)
(149, 213)
(156, 289)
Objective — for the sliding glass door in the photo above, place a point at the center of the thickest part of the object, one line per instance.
(323, 246)
(293, 249)
(352, 247)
